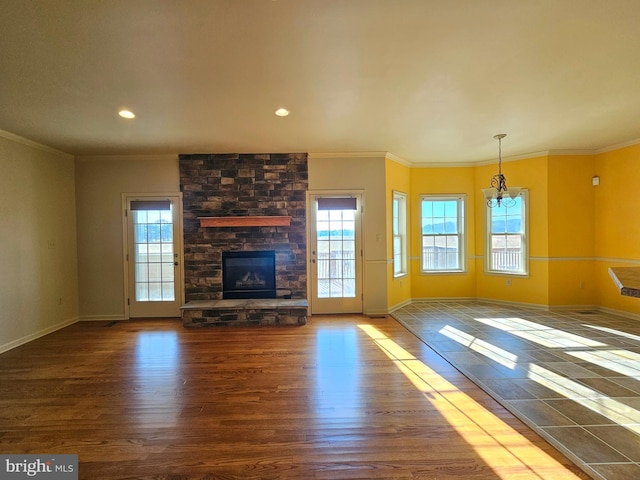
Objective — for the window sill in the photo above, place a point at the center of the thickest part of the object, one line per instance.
(498, 273)
(445, 272)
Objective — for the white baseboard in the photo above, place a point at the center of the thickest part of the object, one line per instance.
(573, 308)
(618, 313)
(33, 336)
(399, 305)
(103, 318)
(537, 306)
(376, 313)
(444, 299)
(507, 303)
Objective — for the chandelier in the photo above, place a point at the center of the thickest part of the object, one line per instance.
(499, 194)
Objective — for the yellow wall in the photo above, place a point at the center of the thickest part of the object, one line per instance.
(398, 178)
(572, 283)
(617, 205)
(445, 180)
(617, 223)
(571, 206)
(577, 231)
(571, 230)
(531, 174)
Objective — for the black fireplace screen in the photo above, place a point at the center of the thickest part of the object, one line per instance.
(249, 274)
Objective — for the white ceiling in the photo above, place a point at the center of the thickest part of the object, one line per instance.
(430, 81)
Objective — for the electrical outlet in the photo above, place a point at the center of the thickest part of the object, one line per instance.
(51, 244)
(507, 282)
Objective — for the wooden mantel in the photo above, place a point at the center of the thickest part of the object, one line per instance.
(246, 221)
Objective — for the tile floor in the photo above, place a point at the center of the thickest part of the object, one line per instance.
(572, 376)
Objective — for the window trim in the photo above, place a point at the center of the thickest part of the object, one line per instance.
(524, 272)
(403, 220)
(461, 201)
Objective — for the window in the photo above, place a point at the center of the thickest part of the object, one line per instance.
(400, 253)
(506, 243)
(153, 250)
(443, 233)
(336, 247)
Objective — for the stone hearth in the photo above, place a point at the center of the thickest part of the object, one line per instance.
(201, 313)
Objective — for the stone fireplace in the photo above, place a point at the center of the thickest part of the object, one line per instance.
(249, 274)
(219, 187)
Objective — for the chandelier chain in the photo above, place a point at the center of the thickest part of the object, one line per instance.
(500, 156)
(499, 182)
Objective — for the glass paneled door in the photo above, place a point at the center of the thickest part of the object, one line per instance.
(335, 254)
(153, 257)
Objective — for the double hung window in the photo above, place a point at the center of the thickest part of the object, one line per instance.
(506, 243)
(443, 242)
(400, 253)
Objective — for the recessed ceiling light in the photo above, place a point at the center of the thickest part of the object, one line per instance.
(282, 112)
(126, 114)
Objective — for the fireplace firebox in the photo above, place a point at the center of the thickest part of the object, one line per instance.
(249, 274)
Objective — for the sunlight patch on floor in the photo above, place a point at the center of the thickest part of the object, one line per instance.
(503, 449)
(621, 361)
(616, 360)
(540, 334)
(612, 409)
(487, 349)
(614, 331)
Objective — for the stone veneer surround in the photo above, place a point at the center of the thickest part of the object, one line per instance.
(220, 185)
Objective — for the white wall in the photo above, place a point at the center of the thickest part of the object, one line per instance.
(100, 183)
(38, 249)
(367, 174)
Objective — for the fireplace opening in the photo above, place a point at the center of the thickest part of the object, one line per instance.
(249, 274)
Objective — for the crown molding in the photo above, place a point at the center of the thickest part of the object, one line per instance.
(397, 159)
(571, 152)
(347, 154)
(524, 156)
(480, 163)
(30, 143)
(114, 158)
(513, 158)
(372, 154)
(618, 146)
(444, 164)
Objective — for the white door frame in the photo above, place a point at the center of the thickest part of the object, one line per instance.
(177, 242)
(311, 228)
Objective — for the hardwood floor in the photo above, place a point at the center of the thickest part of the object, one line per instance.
(341, 398)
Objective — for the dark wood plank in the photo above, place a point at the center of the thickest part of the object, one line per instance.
(329, 400)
